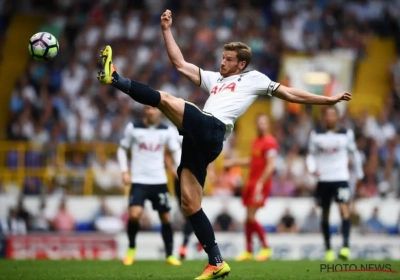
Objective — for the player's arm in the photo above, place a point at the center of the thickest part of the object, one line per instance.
(122, 155)
(237, 162)
(191, 71)
(269, 168)
(311, 164)
(174, 147)
(295, 95)
(355, 155)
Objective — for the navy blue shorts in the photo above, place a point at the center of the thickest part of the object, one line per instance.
(157, 194)
(328, 191)
(203, 137)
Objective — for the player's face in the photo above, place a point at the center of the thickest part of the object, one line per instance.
(331, 117)
(151, 114)
(230, 65)
(262, 125)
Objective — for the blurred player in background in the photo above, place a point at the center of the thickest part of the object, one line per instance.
(328, 160)
(262, 165)
(232, 90)
(147, 140)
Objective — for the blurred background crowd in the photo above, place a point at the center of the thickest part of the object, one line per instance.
(62, 102)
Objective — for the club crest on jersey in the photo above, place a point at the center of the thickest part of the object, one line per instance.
(257, 153)
(149, 147)
(216, 89)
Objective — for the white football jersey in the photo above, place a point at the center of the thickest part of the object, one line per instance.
(147, 145)
(231, 96)
(329, 155)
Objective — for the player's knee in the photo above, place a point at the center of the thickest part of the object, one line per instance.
(189, 206)
(164, 218)
(345, 212)
(135, 216)
(325, 215)
(166, 98)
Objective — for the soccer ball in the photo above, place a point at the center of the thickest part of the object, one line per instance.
(43, 46)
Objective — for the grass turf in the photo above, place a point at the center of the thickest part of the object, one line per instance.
(82, 270)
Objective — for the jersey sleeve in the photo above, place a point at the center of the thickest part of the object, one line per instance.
(127, 140)
(271, 147)
(263, 85)
(207, 79)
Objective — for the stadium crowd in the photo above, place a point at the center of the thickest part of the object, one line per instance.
(61, 102)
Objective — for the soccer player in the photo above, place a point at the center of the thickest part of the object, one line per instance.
(147, 140)
(328, 160)
(262, 165)
(232, 91)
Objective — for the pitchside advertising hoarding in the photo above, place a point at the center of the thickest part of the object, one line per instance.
(150, 246)
(55, 247)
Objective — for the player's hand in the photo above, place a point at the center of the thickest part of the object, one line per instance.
(258, 192)
(126, 178)
(343, 96)
(166, 20)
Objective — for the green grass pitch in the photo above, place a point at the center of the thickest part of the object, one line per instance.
(82, 270)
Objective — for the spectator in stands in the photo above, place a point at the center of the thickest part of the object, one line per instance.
(63, 221)
(283, 186)
(65, 87)
(13, 225)
(355, 218)
(77, 170)
(224, 221)
(398, 224)
(105, 220)
(23, 214)
(312, 223)
(287, 223)
(228, 182)
(41, 221)
(373, 225)
(107, 175)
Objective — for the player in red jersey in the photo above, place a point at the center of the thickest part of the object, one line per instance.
(262, 165)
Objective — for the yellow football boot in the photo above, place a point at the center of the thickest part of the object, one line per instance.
(245, 256)
(215, 272)
(264, 254)
(106, 67)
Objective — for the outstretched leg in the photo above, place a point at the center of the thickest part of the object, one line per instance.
(172, 107)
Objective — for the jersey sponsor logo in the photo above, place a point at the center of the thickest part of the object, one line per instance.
(216, 89)
(328, 150)
(149, 147)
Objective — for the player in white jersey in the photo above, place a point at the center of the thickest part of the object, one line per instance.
(232, 91)
(146, 141)
(328, 160)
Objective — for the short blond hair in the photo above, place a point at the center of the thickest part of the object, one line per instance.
(243, 51)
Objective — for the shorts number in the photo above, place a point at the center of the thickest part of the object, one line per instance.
(164, 199)
(344, 194)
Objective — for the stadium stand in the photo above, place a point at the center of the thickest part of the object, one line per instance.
(62, 124)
